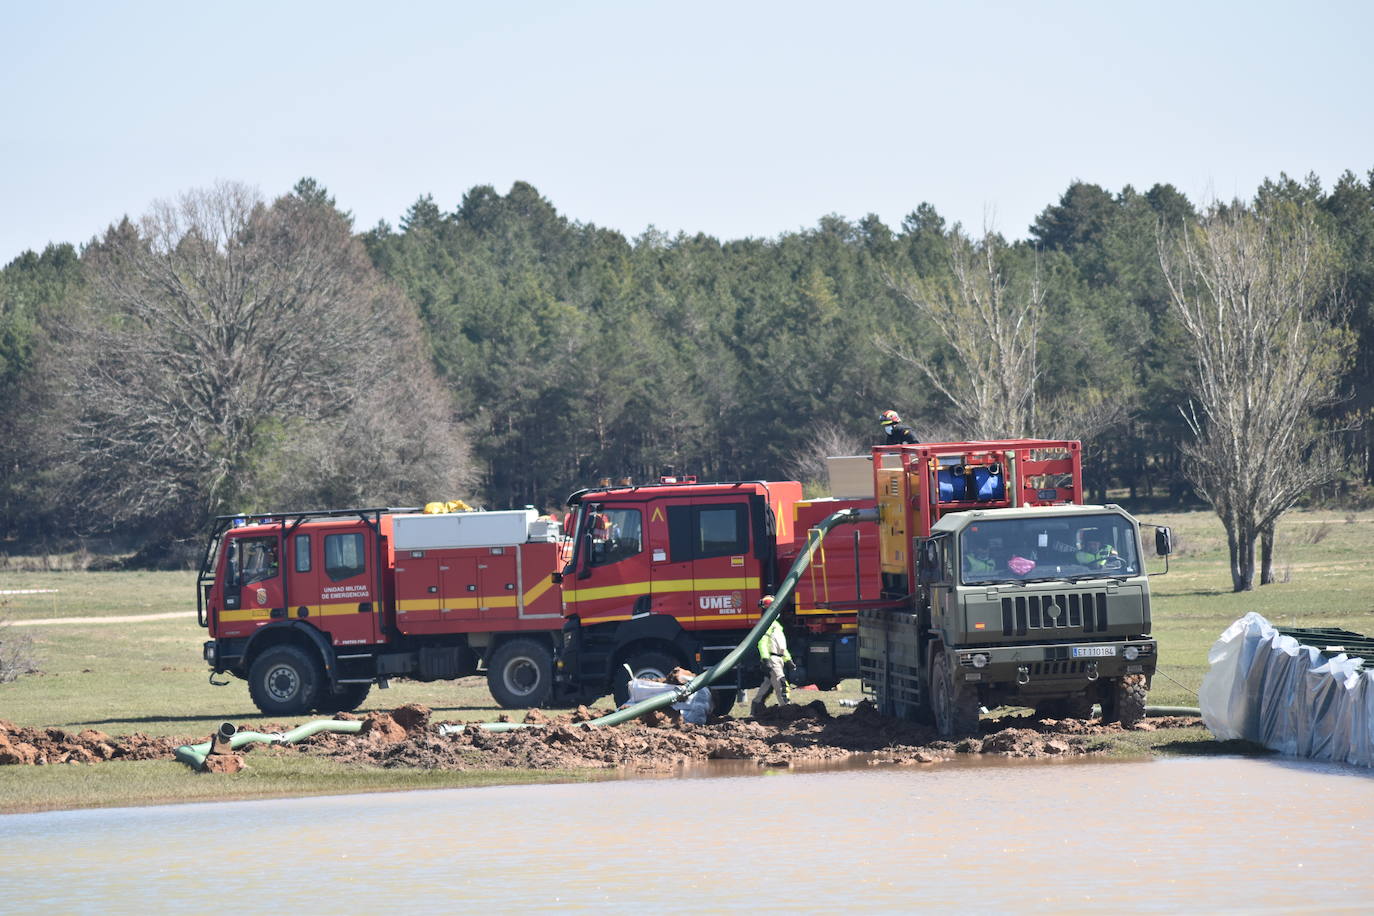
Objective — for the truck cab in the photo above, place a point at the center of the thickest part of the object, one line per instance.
(662, 575)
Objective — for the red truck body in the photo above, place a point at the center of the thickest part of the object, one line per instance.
(313, 608)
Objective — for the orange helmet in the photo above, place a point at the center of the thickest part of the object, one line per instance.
(890, 417)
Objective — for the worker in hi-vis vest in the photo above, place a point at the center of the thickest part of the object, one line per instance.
(774, 656)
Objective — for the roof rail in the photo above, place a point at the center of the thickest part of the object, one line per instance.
(260, 517)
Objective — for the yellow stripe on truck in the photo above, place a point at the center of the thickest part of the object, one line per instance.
(312, 610)
(659, 587)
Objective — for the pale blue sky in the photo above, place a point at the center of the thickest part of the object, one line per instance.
(735, 119)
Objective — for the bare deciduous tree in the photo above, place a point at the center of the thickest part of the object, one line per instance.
(990, 324)
(830, 440)
(227, 339)
(1252, 289)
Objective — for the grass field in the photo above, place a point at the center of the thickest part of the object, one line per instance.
(147, 676)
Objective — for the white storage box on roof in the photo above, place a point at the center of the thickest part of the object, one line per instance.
(462, 529)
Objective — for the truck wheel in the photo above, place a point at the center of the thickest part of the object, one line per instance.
(285, 681)
(1079, 707)
(722, 700)
(520, 674)
(645, 665)
(346, 699)
(1125, 702)
(956, 707)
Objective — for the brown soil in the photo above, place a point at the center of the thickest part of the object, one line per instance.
(55, 745)
(782, 737)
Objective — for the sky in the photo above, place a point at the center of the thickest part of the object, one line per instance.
(737, 119)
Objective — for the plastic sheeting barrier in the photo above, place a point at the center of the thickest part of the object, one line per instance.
(694, 709)
(1269, 688)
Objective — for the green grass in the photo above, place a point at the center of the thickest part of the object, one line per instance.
(148, 676)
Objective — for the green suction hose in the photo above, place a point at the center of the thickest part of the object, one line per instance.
(194, 754)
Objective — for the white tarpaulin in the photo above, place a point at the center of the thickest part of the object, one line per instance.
(1266, 687)
(694, 709)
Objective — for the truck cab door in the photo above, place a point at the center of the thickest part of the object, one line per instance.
(302, 577)
(252, 579)
(725, 573)
(612, 577)
(350, 608)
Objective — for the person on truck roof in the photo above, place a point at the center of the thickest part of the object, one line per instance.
(897, 434)
(774, 657)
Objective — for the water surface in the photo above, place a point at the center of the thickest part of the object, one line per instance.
(1165, 835)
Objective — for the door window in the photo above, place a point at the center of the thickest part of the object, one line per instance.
(253, 560)
(302, 553)
(721, 531)
(343, 556)
(615, 535)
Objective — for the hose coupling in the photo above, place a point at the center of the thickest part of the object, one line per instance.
(222, 741)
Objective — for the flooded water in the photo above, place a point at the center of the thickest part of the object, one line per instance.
(1168, 835)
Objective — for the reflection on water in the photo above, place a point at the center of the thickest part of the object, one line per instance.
(1194, 834)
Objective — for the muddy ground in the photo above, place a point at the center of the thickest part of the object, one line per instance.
(783, 737)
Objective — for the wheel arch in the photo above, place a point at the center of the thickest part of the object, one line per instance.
(653, 633)
(292, 633)
(549, 638)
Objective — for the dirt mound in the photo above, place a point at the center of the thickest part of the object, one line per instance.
(780, 737)
(42, 746)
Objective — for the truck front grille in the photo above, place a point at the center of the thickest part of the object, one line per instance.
(1072, 611)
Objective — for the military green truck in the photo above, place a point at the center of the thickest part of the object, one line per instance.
(1000, 588)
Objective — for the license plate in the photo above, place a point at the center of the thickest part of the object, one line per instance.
(1093, 651)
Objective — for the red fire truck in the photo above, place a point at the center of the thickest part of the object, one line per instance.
(671, 574)
(313, 608)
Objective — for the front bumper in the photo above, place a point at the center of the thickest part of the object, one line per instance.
(1058, 663)
(224, 654)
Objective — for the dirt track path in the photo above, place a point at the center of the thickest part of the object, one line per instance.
(125, 618)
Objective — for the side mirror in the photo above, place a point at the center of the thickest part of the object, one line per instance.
(557, 578)
(1164, 541)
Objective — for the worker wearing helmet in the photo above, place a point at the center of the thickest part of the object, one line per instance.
(774, 657)
(897, 434)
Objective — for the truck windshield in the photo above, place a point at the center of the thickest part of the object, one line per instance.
(1062, 547)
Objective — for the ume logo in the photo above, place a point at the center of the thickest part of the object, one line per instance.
(721, 602)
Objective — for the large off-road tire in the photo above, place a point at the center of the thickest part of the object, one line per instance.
(1125, 701)
(644, 665)
(346, 699)
(286, 681)
(520, 674)
(1078, 707)
(955, 704)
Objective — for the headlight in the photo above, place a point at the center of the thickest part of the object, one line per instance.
(1130, 653)
(209, 652)
(980, 660)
